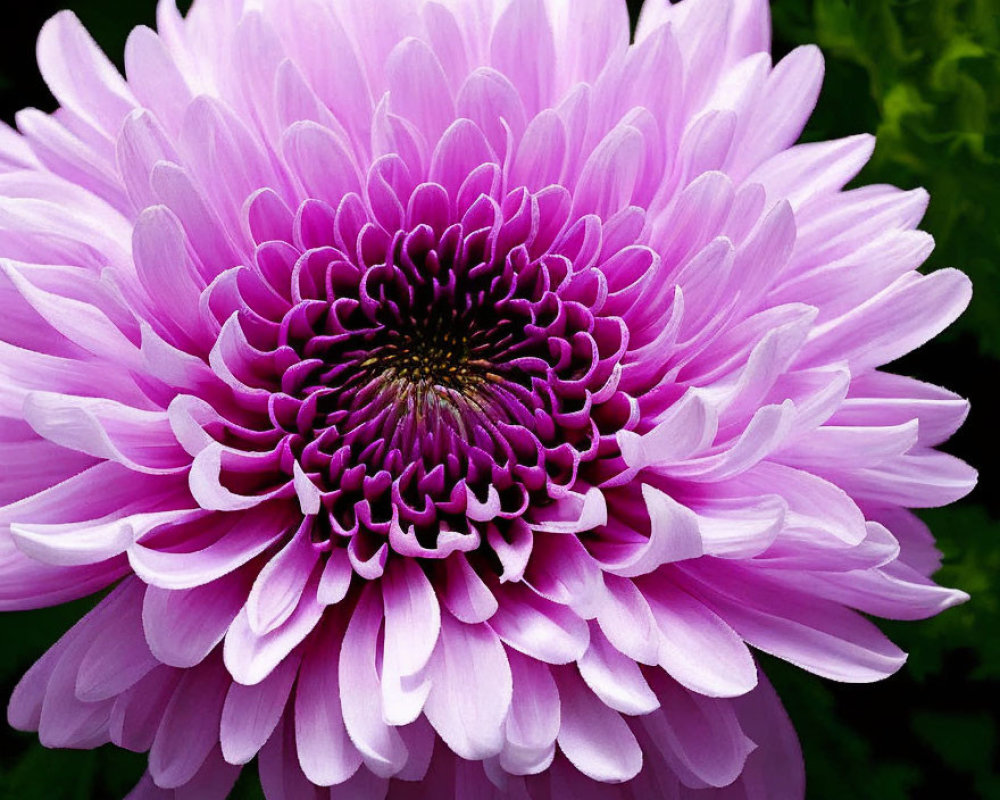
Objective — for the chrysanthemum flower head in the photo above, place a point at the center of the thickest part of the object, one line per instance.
(449, 394)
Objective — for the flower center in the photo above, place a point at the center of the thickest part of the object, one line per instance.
(436, 382)
(430, 363)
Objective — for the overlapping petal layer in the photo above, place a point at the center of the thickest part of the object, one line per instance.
(453, 393)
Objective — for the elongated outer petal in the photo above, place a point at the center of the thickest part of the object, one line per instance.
(895, 321)
(168, 273)
(214, 780)
(277, 589)
(228, 541)
(418, 88)
(471, 689)
(700, 737)
(627, 621)
(118, 656)
(326, 753)
(878, 397)
(336, 578)
(776, 125)
(281, 778)
(183, 626)
(136, 714)
(674, 536)
(615, 678)
(412, 624)
(189, 728)
(251, 657)
(379, 744)
(593, 736)
(687, 428)
(155, 77)
(563, 571)
(776, 765)
(321, 160)
(698, 648)
(526, 24)
(64, 720)
(815, 634)
(533, 722)
(81, 323)
(539, 628)
(26, 370)
(923, 478)
(80, 75)
(464, 593)
(138, 439)
(814, 169)
(26, 707)
(79, 543)
(250, 713)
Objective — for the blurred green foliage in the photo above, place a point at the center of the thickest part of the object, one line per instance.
(932, 69)
(925, 76)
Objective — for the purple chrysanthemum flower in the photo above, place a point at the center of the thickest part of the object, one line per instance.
(451, 393)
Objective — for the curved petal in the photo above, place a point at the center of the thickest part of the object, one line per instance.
(471, 689)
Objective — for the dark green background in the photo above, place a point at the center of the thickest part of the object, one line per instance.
(924, 75)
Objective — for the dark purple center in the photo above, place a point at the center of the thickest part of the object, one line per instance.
(439, 381)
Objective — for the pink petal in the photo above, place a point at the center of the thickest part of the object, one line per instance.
(923, 478)
(796, 78)
(379, 744)
(627, 621)
(184, 625)
(811, 170)
(526, 24)
(336, 578)
(594, 737)
(541, 152)
(136, 714)
(877, 397)
(326, 166)
(697, 647)
(168, 274)
(326, 754)
(79, 74)
(464, 594)
(684, 430)
(118, 656)
(140, 145)
(281, 583)
(251, 713)
(815, 634)
(537, 627)
(775, 767)
(471, 688)
(412, 624)
(189, 728)
(221, 544)
(561, 570)
(615, 678)
(534, 719)
(281, 778)
(700, 737)
(418, 89)
(82, 323)
(250, 657)
(156, 78)
(674, 536)
(895, 321)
